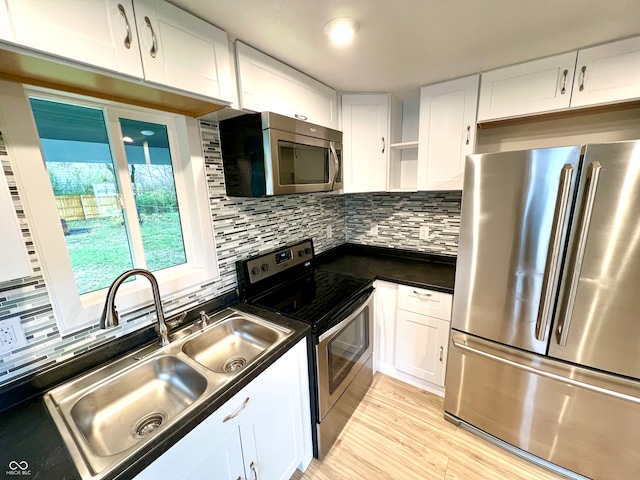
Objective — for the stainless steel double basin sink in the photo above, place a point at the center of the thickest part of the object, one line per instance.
(108, 415)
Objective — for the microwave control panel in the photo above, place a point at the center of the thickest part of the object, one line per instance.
(272, 263)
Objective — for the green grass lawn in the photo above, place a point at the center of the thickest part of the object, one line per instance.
(99, 248)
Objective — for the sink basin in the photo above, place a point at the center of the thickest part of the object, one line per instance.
(112, 412)
(230, 345)
(128, 408)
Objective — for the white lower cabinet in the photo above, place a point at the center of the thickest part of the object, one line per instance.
(412, 334)
(263, 432)
(421, 346)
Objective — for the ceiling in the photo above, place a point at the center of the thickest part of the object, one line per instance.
(403, 44)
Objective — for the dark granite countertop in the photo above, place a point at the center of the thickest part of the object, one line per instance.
(28, 434)
(434, 272)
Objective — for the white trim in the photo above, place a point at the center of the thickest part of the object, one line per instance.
(72, 311)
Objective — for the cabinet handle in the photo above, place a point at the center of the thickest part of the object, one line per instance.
(468, 134)
(127, 39)
(300, 117)
(154, 45)
(421, 295)
(252, 466)
(583, 75)
(441, 353)
(383, 145)
(563, 90)
(237, 412)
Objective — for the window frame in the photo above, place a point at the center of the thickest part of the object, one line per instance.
(73, 311)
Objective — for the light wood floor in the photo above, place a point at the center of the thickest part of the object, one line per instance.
(398, 432)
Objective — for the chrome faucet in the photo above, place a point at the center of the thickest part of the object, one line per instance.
(110, 317)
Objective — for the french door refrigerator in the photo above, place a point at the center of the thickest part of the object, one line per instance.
(545, 341)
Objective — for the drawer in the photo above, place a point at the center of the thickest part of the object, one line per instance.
(425, 302)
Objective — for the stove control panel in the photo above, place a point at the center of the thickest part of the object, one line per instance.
(277, 261)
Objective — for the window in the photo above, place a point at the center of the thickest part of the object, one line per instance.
(100, 239)
(120, 188)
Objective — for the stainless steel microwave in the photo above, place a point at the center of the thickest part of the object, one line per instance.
(269, 154)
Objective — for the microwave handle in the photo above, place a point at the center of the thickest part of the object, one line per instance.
(336, 163)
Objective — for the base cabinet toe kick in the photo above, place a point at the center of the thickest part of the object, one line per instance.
(578, 419)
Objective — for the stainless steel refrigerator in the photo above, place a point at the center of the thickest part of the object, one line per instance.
(545, 341)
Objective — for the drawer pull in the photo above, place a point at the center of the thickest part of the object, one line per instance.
(422, 295)
(237, 412)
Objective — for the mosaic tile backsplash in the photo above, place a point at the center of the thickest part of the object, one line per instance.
(399, 216)
(243, 227)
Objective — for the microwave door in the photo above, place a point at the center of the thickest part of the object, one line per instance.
(297, 163)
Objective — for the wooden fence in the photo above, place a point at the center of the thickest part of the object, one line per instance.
(82, 207)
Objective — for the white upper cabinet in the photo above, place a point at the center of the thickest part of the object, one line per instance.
(607, 73)
(101, 33)
(365, 142)
(447, 132)
(6, 30)
(266, 84)
(599, 75)
(533, 87)
(13, 254)
(147, 39)
(183, 51)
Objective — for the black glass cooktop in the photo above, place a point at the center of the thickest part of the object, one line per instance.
(315, 297)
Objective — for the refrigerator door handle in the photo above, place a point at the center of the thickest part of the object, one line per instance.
(461, 343)
(593, 175)
(552, 267)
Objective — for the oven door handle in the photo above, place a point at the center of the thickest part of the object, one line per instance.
(354, 308)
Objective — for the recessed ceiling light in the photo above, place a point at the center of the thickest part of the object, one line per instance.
(147, 133)
(341, 30)
(127, 139)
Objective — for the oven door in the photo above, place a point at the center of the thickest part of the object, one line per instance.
(341, 352)
(301, 164)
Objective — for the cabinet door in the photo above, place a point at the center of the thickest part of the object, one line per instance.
(266, 84)
(533, 87)
(94, 32)
(421, 346)
(271, 429)
(183, 51)
(607, 73)
(211, 450)
(365, 142)
(13, 254)
(6, 30)
(447, 132)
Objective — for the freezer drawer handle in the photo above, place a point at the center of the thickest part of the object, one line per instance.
(593, 175)
(552, 267)
(542, 373)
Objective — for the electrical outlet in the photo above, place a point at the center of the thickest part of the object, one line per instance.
(373, 231)
(11, 336)
(329, 231)
(424, 233)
